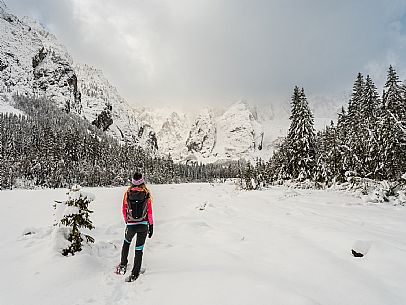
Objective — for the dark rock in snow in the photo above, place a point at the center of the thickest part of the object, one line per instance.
(356, 254)
(360, 248)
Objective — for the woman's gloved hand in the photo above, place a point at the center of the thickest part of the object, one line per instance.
(150, 230)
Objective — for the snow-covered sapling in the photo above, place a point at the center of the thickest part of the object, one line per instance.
(74, 214)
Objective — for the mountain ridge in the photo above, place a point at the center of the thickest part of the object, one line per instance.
(34, 62)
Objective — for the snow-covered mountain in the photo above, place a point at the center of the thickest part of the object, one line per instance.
(33, 62)
(203, 134)
(232, 133)
(170, 126)
(98, 96)
(239, 133)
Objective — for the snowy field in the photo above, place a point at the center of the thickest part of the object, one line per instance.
(212, 244)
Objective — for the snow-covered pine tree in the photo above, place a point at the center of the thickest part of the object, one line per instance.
(301, 138)
(354, 119)
(392, 131)
(369, 112)
(75, 216)
(291, 137)
(392, 95)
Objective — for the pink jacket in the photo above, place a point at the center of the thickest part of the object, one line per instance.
(149, 217)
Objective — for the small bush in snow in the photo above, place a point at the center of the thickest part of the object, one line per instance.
(72, 215)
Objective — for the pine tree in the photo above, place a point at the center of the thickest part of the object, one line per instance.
(368, 123)
(356, 101)
(301, 138)
(392, 97)
(392, 131)
(354, 137)
(76, 215)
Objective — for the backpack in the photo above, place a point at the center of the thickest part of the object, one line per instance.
(136, 205)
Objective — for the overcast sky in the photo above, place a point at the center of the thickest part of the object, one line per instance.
(218, 51)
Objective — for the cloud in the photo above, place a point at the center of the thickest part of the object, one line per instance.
(211, 51)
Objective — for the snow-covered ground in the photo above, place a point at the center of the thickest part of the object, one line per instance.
(212, 244)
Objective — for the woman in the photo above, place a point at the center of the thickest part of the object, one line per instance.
(137, 212)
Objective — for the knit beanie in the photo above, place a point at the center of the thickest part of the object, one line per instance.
(137, 179)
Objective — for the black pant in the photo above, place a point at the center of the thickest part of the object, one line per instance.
(130, 231)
